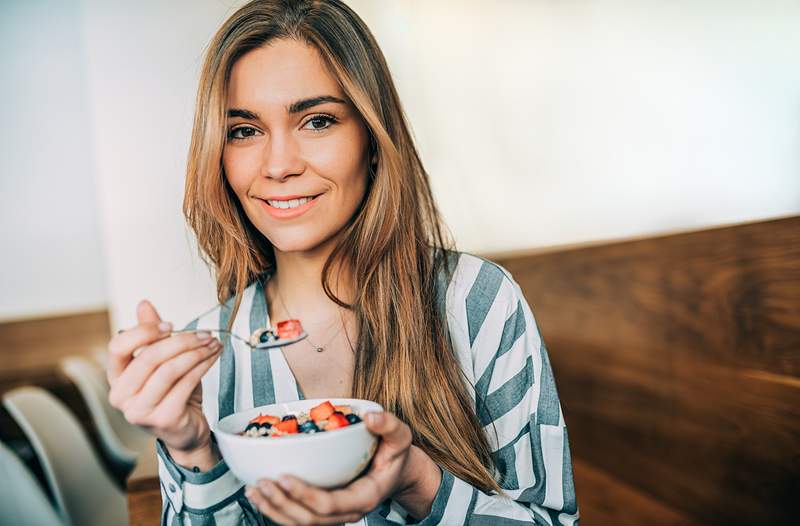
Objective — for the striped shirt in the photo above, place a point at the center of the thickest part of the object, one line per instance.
(501, 352)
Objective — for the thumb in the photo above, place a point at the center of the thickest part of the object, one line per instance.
(390, 428)
(146, 313)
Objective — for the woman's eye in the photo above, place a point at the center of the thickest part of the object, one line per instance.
(320, 122)
(241, 133)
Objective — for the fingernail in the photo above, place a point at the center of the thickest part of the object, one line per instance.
(215, 345)
(165, 326)
(203, 335)
(285, 483)
(375, 418)
(265, 488)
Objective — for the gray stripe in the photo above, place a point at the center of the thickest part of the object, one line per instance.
(548, 411)
(204, 477)
(568, 485)
(227, 365)
(251, 516)
(260, 365)
(440, 501)
(513, 328)
(201, 519)
(471, 507)
(227, 501)
(505, 460)
(166, 507)
(535, 493)
(554, 516)
(543, 520)
(445, 265)
(171, 465)
(506, 398)
(481, 297)
(494, 520)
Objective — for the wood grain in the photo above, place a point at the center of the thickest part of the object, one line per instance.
(678, 364)
(39, 344)
(144, 502)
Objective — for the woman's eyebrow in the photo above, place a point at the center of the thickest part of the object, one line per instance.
(304, 104)
(295, 107)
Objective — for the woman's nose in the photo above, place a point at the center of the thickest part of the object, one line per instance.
(281, 158)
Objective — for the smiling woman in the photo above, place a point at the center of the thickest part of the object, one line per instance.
(297, 149)
(310, 202)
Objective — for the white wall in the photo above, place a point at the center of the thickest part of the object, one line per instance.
(540, 122)
(52, 260)
(143, 62)
(547, 123)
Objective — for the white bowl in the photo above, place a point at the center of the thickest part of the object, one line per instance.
(327, 459)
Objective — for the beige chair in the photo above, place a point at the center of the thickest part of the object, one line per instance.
(130, 449)
(85, 494)
(22, 500)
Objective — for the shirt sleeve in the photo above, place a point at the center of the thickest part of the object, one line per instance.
(518, 405)
(215, 496)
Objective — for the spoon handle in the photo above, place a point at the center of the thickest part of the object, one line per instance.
(274, 344)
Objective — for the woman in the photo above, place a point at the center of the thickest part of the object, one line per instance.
(309, 200)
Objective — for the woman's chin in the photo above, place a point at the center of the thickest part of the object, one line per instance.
(297, 245)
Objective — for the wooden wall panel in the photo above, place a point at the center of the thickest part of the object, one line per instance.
(678, 364)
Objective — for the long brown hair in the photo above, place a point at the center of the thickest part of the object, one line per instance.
(395, 245)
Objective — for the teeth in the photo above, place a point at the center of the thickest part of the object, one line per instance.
(292, 203)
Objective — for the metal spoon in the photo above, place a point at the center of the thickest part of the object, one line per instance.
(271, 344)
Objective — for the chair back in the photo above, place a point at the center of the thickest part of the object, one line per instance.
(22, 501)
(127, 446)
(84, 493)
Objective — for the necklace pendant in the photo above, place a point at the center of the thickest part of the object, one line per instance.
(319, 349)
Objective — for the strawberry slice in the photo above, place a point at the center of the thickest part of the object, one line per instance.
(322, 411)
(344, 409)
(335, 421)
(288, 329)
(287, 426)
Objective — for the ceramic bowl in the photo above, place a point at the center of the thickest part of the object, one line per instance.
(328, 459)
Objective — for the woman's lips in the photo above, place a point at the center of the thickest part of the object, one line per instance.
(288, 213)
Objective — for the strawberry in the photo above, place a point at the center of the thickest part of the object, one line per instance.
(344, 409)
(322, 411)
(335, 421)
(288, 329)
(287, 426)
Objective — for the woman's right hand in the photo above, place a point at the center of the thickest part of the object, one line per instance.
(154, 380)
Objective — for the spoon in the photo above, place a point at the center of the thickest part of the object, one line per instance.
(262, 338)
(255, 339)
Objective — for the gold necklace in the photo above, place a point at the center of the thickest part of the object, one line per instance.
(314, 346)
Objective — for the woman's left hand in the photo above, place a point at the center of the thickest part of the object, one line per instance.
(398, 469)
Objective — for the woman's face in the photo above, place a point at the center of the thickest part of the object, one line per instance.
(296, 152)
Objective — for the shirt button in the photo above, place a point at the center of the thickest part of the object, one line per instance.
(172, 487)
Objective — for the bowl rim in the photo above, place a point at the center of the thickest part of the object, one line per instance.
(298, 437)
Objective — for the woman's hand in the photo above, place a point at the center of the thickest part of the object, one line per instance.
(155, 382)
(399, 470)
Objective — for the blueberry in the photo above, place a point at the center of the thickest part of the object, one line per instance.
(288, 417)
(266, 336)
(352, 418)
(250, 426)
(308, 427)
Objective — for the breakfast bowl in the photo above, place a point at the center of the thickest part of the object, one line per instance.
(325, 459)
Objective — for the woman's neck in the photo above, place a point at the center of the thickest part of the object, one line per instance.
(297, 282)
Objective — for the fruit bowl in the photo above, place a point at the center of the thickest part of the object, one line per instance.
(328, 459)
